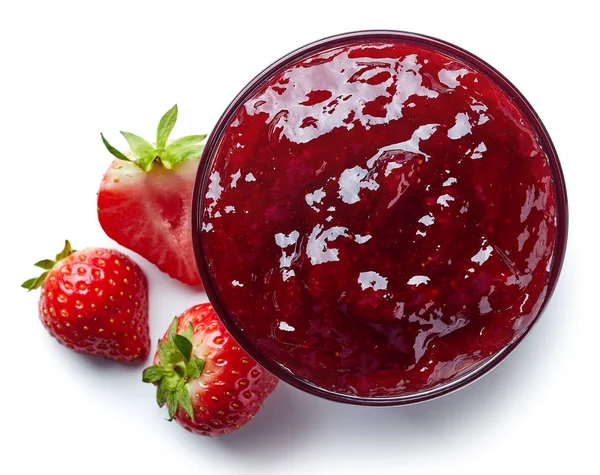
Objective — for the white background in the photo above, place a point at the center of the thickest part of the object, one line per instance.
(70, 69)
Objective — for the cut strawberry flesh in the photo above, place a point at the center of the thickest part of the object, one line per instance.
(378, 219)
(149, 213)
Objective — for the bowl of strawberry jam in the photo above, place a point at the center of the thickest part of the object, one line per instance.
(379, 218)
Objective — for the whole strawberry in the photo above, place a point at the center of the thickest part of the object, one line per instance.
(95, 301)
(210, 385)
(144, 201)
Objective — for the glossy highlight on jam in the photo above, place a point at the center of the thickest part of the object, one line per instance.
(378, 218)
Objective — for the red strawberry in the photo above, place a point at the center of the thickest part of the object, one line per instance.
(210, 385)
(95, 301)
(144, 202)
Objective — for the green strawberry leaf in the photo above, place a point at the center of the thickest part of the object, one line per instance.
(169, 159)
(194, 367)
(172, 404)
(46, 264)
(168, 353)
(188, 332)
(168, 156)
(172, 381)
(192, 151)
(163, 352)
(40, 280)
(172, 329)
(114, 151)
(34, 283)
(183, 397)
(184, 346)
(153, 374)
(165, 126)
(184, 142)
(67, 251)
(28, 284)
(172, 156)
(143, 149)
(161, 394)
(177, 367)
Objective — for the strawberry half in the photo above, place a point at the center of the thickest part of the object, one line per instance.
(209, 384)
(144, 201)
(95, 301)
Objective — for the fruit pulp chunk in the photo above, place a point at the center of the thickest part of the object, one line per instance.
(378, 218)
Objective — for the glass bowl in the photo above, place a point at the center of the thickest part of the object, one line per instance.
(265, 345)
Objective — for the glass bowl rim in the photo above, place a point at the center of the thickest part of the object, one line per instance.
(452, 51)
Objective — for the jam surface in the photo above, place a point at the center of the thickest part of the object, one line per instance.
(378, 218)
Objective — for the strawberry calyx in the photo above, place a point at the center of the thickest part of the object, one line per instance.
(167, 155)
(47, 265)
(177, 367)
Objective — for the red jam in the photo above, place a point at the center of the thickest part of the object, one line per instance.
(379, 218)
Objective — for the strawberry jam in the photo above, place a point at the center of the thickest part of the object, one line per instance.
(378, 218)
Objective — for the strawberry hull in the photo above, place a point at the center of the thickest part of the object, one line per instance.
(231, 387)
(380, 216)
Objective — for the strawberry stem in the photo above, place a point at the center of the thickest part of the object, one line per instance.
(165, 127)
